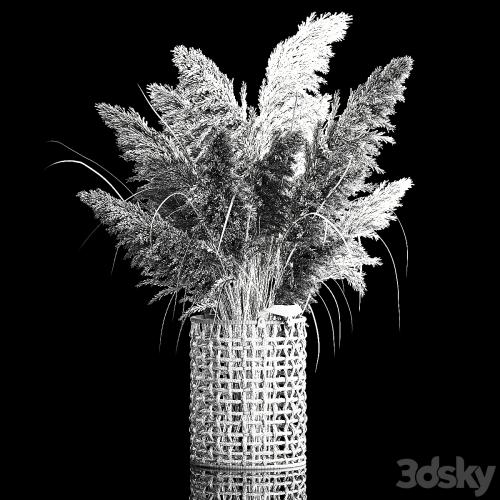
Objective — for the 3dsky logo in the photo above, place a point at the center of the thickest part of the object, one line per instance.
(447, 476)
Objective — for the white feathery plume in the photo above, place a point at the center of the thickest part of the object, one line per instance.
(289, 96)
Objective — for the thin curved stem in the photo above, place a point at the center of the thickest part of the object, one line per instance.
(78, 162)
(225, 222)
(93, 161)
(114, 261)
(406, 244)
(396, 276)
(317, 337)
(163, 322)
(338, 312)
(331, 321)
(346, 301)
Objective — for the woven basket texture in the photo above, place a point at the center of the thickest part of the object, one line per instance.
(248, 394)
(249, 485)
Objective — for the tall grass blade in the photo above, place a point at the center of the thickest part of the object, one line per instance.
(331, 321)
(406, 244)
(338, 314)
(114, 261)
(317, 337)
(78, 162)
(396, 276)
(346, 301)
(92, 161)
(225, 222)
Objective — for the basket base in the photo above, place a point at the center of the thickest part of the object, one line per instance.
(252, 484)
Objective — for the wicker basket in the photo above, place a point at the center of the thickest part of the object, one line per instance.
(258, 485)
(248, 394)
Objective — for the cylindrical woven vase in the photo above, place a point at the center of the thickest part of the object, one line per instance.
(248, 394)
(207, 484)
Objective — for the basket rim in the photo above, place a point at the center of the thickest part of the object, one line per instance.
(210, 321)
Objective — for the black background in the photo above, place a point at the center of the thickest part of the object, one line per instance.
(109, 412)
